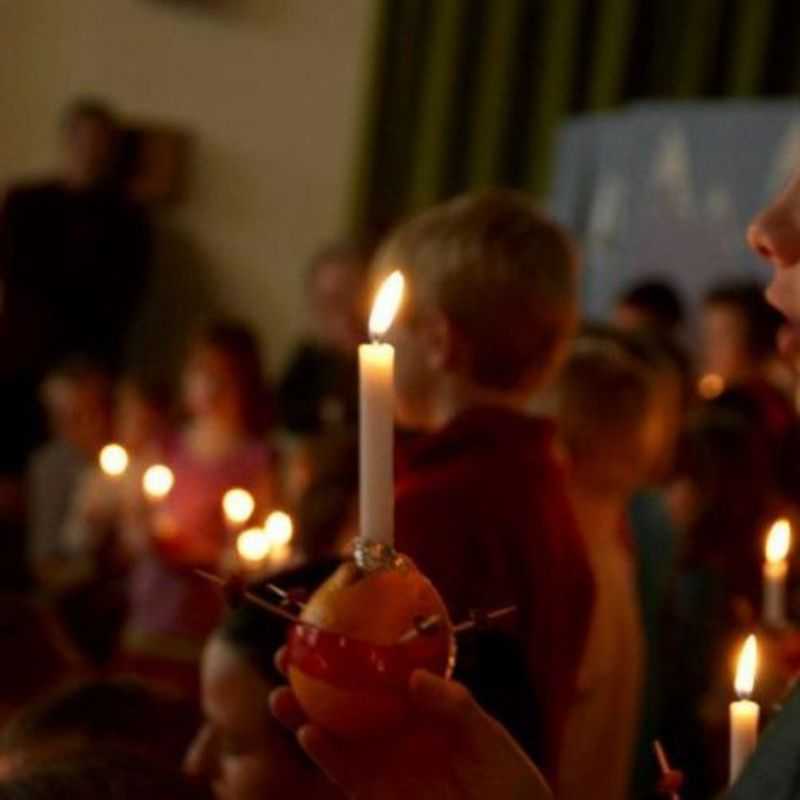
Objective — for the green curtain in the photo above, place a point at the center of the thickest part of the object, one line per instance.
(469, 93)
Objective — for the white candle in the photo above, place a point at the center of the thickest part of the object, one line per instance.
(157, 482)
(744, 712)
(279, 530)
(238, 506)
(253, 546)
(271, 543)
(376, 377)
(114, 460)
(776, 569)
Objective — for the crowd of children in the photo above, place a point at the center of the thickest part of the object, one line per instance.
(626, 527)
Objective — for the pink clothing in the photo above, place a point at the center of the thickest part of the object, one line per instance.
(167, 598)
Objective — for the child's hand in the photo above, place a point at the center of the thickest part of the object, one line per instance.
(451, 749)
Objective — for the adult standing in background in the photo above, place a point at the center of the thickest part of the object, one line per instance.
(319, 391)
(74, 263)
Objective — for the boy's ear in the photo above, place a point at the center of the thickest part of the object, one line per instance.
(440, 343)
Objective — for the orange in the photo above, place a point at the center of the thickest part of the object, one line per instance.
(347, 663)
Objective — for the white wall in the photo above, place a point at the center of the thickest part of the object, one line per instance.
(271, 90)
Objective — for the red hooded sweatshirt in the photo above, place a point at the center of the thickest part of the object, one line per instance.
(483, 511)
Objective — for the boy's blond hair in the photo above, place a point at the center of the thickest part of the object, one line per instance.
(502, 273)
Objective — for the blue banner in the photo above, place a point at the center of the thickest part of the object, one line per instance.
(668, 189)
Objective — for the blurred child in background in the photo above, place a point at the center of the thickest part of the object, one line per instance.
(103, 501)
(611, 428)
(655, 538)
(102, 514)
(319, 390)
(654, 307)
(242, 751)
(722, 497)
(327, 511)
(740, 333)
(77, 397)
(221, 446)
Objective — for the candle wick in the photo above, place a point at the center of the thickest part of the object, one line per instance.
(375, 338)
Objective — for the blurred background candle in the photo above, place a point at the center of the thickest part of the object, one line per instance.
(376, 441)
(238, 506)
(253, 546)
(744, 712)
(114, 460)
(157, 482)
(776, 569)
(279, 530)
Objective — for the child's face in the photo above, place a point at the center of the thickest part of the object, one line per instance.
(631, 318)
(336, 300)
(136, 422)
(418, 370)
(636, 458)
(83, 416)
(209, 384)
(725, 345)
(657, 439)
(622, 458)
(775, 235)
(89, 150)
(241, 750)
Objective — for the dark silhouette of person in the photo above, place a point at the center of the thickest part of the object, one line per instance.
(75, 257)
(74, 262)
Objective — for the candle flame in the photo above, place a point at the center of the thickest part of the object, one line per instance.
(746, 668)
(253, 544)
(114, 460)
(238, 505)
(279, 528)
(158, 481)
(387, 302)
(779, 540)
(711, 386)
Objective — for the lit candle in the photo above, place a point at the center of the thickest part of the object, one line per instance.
(279, 530)
(238, 506)
(157, 482)
(776, 569)
(744, 712)
(253, 546)
(114, 460)
(376, 374)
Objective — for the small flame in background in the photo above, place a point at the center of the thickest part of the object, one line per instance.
(157, 481)
(279, 529)
(779, 540)
(238, 505)
(114, 460)
(253, 544)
